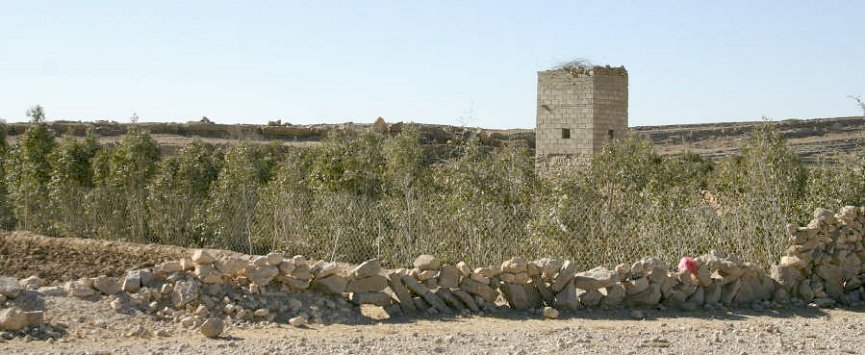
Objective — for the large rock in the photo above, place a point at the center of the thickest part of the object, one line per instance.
(521, 297)
(698, 298)
(543, 289)
(230, 267)
(681, 293)
(30, 283)
(302, 272)
(476, 288)
(292, 283)
(202, 257)
(437, 303)
(648, 297)
(551, 313)
(479, 278)
(565, 275)
(106, 285)
(261, 275)
(713, 294)
(168, 267)
(704, 275)
(567, 298)
(373, 298)
(449, 277)
(136, 279)
(398, 288)
(286, 267)
(323, 270)
(427, 262)
(786, 275)
(415, 286)
(366, 269)
(184, 292)
(259, 260)
(425, 274)
(549, 267)
(729, 270)
(851, 266)
(793, 261)
(488, 271)
(515, 265)
(729, 291)
(298, 321)
(614, 295)
(590, 298)
(637, 286)
(832, 278)
(467, 299)
(623, 269)
(80, 288)
(208, 274)
(594, 279)
(12, 319)
(9, 287)
(464, 269)
(534, 269)
(212, 327)
(672, 280)
(805, 292)
(274, 259)
(333, 284)
(748, 291)
(448, 297)
(374, 283)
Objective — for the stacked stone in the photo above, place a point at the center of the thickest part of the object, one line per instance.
(367, 285)
(826, 262)
(725, 281)
(432, 288)
(14, 318)
(194, 291)
(825, 265)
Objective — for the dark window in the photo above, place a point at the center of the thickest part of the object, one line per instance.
(566, 133)
(610, 134)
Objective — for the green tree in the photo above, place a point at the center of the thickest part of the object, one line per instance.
(71, 181)
(30, 172)
(759, 193)
(285, 211)
(178, 193)
(7, 219)
(233, 199)
(349, 161)
(120, 198)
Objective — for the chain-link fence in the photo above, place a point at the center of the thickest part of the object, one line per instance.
(373, 196)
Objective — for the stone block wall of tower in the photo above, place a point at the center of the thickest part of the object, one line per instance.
(578, 110)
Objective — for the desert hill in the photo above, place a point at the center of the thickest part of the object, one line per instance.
(812, 139)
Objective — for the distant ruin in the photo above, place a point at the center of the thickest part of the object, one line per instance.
(580, 107)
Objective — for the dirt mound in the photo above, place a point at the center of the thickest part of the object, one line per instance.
(24, 254)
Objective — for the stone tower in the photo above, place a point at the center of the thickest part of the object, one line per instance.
(579, 109)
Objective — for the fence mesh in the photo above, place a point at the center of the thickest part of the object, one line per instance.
(372, 196)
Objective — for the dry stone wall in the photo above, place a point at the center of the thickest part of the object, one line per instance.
(824, 266)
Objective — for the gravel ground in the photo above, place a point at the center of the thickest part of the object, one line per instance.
(93, 327)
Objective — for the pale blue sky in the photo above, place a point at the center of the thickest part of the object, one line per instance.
(424, 61)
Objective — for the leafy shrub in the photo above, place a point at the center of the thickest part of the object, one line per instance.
(361, 195)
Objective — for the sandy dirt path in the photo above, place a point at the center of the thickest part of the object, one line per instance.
(94, 329)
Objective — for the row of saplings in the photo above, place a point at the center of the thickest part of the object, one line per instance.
(823, 266)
